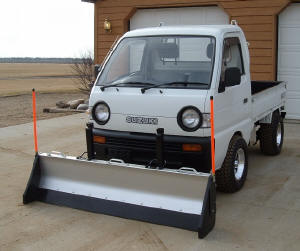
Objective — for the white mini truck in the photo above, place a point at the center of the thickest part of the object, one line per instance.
(149, 135)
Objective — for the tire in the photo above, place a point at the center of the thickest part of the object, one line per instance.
(271, 135)
(232, 175)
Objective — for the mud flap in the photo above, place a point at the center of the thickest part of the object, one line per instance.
(178, 198)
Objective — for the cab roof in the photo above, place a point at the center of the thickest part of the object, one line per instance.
(206, 30)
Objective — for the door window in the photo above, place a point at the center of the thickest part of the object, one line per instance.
(232, 56)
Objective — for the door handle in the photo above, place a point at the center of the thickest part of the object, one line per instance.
(245, 100)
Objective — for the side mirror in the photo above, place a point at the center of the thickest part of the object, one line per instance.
(232, 76)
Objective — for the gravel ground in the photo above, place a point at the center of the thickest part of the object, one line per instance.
(15, 110)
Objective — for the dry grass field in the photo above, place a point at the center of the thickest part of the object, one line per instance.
(16, 79)
(31, 69)
(53, 82)
(48, 85)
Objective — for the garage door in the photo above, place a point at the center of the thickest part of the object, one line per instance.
(289, 57)
(178, 16)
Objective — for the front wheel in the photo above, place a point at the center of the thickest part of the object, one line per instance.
(232, 175)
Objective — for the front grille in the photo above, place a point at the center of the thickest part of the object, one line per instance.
(140, 148)
(141, 144)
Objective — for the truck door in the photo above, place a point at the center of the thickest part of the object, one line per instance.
(232, 104)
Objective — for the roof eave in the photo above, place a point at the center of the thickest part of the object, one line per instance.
(89, 1)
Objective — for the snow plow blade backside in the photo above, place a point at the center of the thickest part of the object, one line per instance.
(178, 198)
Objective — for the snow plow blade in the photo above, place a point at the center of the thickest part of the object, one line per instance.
(179, 198)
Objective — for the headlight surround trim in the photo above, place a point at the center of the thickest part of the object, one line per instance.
(180, 119)
(94, 116)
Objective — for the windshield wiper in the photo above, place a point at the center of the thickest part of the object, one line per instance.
(171, 83)
(120, 83)
(112, 85)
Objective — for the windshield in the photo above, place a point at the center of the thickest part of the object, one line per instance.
(184, 61)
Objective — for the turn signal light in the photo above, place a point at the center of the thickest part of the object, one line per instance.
(99, 139)
(191, 148)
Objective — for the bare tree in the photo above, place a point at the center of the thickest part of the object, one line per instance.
(83, 70)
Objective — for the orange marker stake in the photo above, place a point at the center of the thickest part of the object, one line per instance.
(34, 121)
(212, 138)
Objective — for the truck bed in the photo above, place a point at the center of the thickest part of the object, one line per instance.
(267, 96)
(258, 86)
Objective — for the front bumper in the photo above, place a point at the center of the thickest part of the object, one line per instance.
(140, 148)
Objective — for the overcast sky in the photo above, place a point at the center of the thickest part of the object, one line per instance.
(46, 28)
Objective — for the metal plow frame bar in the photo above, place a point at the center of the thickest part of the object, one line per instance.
(202, 222)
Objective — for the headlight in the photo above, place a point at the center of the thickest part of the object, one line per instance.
(189, 119)
(101, 113)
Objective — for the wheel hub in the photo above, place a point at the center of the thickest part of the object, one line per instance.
(239, 164)
(278, 135)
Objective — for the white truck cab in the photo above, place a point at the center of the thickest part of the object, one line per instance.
(151, 102)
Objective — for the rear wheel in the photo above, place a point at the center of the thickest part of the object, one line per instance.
(232, 175)
(271, 135)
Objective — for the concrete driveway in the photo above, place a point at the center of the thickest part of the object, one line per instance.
(265, 215)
